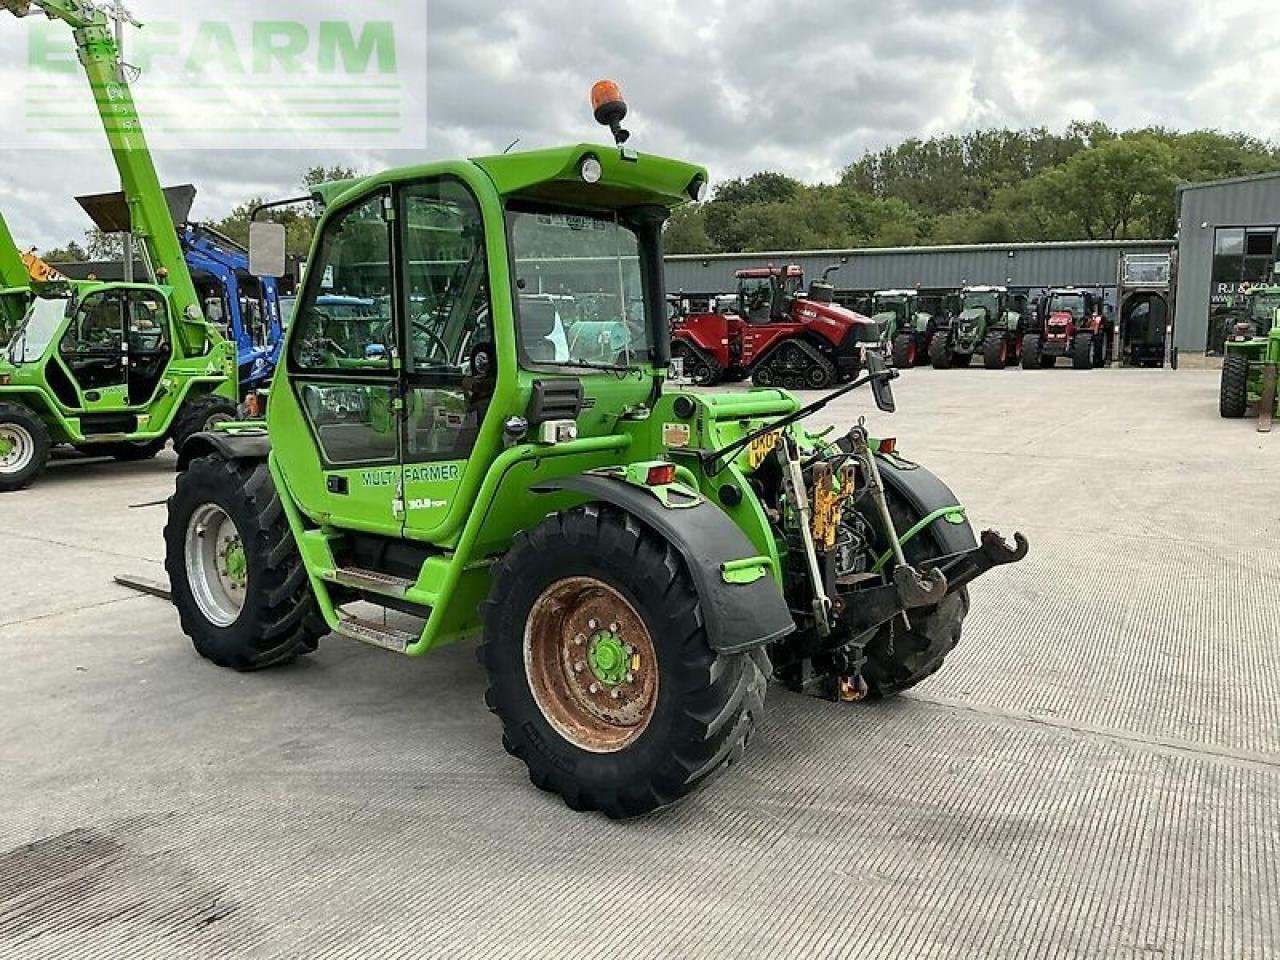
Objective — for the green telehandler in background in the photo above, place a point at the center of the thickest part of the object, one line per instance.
(1251, 357)
(482, 460)
(114, 369)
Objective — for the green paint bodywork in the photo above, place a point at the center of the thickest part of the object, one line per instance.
(468, 511)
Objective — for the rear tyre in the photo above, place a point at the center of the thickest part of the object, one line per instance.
(1082, 352)
(237, 579)
(941, 356)
(24, 447)
(1233, 392)
(898, 658)
(995, 352)
(905, 351)
(1031, 352)
(200, 416)
(622, 731)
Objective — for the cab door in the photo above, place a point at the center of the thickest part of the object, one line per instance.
(336, 426)
(95, 352)
(450, 365)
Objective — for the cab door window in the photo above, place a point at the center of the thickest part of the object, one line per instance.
(449, 354)
(343, 346)
(93, 346)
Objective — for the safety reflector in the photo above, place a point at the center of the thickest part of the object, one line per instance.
(661, 475)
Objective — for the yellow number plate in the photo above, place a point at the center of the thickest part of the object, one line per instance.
(761, 447)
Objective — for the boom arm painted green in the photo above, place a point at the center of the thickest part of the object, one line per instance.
(148, 210)
(13, 273)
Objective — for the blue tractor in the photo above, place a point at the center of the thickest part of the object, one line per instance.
(246, 308)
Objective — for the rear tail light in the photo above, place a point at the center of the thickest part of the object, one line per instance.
(661, 475)
(889, 447)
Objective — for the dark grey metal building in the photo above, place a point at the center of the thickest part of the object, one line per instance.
(1023, 266)
(1227, 242)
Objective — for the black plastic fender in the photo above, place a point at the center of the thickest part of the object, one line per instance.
(232, 445)
(925, 493)
(738, 616)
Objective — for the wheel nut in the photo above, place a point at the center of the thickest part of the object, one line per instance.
(616, 694)
(579, 640)
(595, 688)
(630, 649)
(614, 628)
(579, 667)
(593, 623)
(631, 678)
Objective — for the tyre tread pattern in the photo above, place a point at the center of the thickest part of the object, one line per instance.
(721, 696)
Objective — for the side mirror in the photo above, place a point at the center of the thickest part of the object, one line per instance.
(267, 249)
(880, 373)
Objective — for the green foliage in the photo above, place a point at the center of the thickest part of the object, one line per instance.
(1088, 182)
(298, 223)
(71, 253)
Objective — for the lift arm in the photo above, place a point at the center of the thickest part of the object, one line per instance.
(149, 213)
(13, 272)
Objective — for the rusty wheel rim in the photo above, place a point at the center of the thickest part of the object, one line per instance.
(591, 664)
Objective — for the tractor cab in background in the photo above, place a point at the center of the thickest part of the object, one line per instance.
(907, 321)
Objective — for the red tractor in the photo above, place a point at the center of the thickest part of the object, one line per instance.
(1069, 323)
(782, 334)
(706, 337)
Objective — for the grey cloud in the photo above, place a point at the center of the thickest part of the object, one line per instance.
(798, 85)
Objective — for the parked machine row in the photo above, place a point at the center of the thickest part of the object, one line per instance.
(775, 332)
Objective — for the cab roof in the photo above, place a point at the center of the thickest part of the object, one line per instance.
(554, 176)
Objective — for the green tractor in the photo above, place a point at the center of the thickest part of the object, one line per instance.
(481, 461)
(1251, 357)
(990, 324)
(907, 322)
(114, 369)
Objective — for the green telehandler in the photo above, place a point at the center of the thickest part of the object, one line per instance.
(114, 369)
(1251, 357)
(482, 458)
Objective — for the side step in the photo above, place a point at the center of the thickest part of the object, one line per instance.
(376, 634)
(372, 581)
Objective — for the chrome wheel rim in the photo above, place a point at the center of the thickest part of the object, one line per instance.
(17, 448)
(217, 569)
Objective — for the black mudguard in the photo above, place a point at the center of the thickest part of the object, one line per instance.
(738, 616)
(924, 493)
(238, 445)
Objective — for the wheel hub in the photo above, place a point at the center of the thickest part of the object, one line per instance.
(591, 664)
(608, 658)
(16, 448)
(217, 565)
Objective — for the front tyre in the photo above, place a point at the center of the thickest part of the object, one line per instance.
(995, 351)
(899, 658)
(1082, 352)
(941, 356)
(601, 672)
(1233, 391)
(1031, 352)
(904, 351)
(234, 570)
(24, 447)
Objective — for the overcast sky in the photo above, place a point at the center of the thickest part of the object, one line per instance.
(791, 85)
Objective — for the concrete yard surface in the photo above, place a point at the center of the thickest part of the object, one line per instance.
(1094, 773)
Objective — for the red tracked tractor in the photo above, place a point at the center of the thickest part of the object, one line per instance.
(1069, 323)
(782, 334)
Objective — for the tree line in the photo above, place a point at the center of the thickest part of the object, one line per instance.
(1088, 182)
(991, 186)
